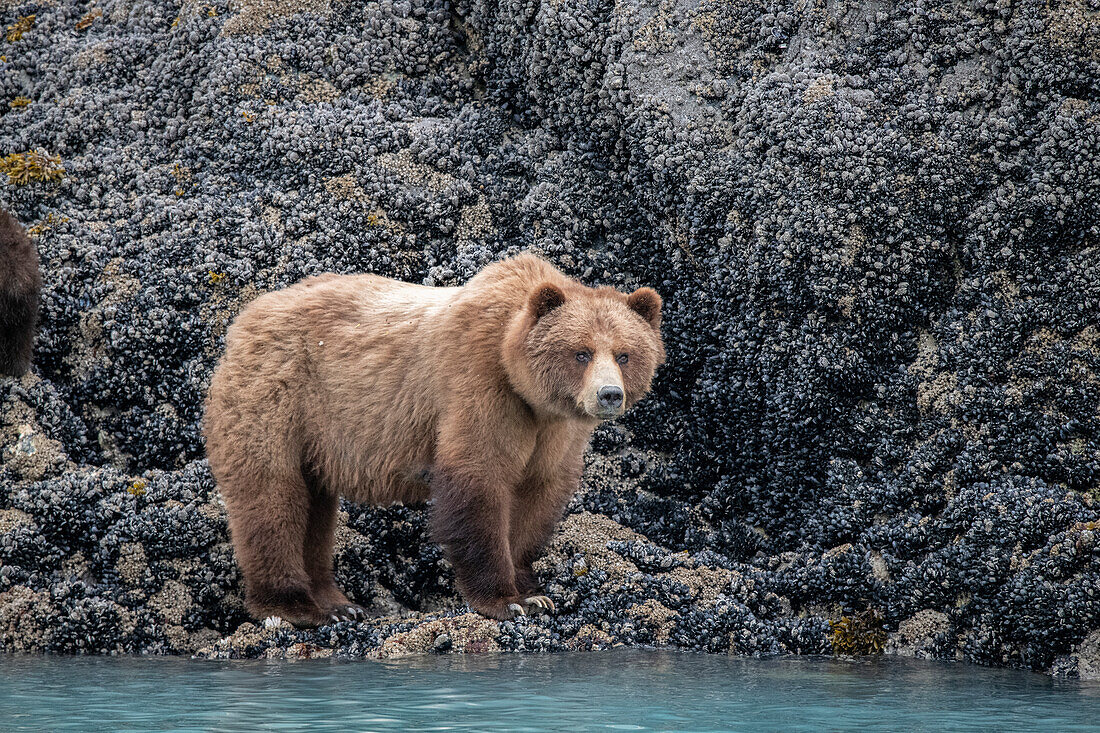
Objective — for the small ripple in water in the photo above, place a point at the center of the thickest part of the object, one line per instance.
(620, 690)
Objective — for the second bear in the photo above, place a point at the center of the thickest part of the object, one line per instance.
(20, 283)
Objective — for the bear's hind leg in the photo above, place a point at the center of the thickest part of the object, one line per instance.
(267, 524)
(319, 539)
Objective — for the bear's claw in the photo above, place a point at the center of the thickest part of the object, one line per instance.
(542, 602)
(350, 612)
(529, 604)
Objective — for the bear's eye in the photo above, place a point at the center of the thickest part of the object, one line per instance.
(622, 358)
(584, 356)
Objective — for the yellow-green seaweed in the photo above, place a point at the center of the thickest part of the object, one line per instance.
(19, 27)
(858, 635)
(33, 165)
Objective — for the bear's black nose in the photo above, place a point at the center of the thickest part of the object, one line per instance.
(610, 396)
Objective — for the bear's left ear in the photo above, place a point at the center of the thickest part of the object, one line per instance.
(545, 298)
(647, 304)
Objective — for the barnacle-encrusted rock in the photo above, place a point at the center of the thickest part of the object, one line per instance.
(874, 226)
(918, 635)
(1088, 656)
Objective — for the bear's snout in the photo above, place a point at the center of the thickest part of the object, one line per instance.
(604, 396)
(610, 397)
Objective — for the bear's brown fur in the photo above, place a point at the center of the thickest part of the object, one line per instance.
(20, 283)
(481, 398)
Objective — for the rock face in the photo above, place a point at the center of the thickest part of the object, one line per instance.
(1088, 657)
(874, 226)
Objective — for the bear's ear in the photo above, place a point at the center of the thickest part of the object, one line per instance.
(545, 298)
(647, 304)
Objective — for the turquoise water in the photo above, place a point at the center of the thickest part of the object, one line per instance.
(620, 690)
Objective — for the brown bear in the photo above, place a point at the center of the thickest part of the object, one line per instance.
(20, 283)
(480, 398)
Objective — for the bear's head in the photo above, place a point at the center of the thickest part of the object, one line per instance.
(585, 352)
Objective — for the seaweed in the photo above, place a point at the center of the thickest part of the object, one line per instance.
(19, 27)
(86, 21)
(34, 165)
(859, 635)
(51, 220)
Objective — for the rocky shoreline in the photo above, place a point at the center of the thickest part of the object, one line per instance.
(874, 227)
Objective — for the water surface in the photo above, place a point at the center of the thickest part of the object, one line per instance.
(625, 690)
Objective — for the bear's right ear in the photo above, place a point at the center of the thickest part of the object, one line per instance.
(544, 299)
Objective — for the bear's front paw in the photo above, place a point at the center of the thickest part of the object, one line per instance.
(509, 608)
